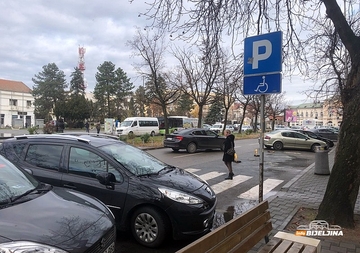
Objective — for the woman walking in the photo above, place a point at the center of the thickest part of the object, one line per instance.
(228, 159)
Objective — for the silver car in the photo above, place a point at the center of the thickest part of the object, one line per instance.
(288, 139)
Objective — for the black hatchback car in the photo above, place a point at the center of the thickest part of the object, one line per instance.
(37, 217)
(327, 133)
(147, 196)
(193, 139)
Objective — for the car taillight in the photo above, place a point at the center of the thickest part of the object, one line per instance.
(267, 137)
(179, 138)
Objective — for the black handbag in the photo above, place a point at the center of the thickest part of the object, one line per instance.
(231, 151)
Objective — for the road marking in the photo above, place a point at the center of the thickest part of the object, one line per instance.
(253, 193)
(181, 156)
(192, 170)
(211, 175)
(226, 184)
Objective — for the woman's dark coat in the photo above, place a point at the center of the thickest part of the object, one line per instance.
(229, 142)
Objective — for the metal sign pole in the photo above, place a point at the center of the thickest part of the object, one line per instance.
(261, 148)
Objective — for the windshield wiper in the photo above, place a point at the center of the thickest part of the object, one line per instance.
(166, 168)
(39, 189)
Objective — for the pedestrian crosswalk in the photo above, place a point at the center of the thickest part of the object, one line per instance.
(253, 193)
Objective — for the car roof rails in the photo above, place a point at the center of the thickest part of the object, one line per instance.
(50, 136)
(90, 134)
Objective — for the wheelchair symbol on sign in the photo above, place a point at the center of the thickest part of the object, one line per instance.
(263, 86)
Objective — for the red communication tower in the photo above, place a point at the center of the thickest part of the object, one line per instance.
(81, 66)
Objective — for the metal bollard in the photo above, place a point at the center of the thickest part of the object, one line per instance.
(321, 161)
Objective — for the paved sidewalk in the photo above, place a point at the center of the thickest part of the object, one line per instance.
(306, 190)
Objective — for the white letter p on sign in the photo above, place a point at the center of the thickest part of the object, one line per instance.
(259, 57)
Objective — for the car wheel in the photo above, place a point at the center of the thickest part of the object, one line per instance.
(175, 149)
(152, 133)
(313, 147)
(191, 147)
(149, 227)
(278, 145)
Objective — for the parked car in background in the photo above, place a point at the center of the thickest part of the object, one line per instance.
(150, 199)
(289, 139)
(245, 127)
(218, 128)
(281, 127)
(193, 139)
(230, 127)
(37, 217)
(325, 132)
(313, 135)
(206, 126)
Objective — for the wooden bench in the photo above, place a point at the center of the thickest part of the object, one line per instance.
(243, 232)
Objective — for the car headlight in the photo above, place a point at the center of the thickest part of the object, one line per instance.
(25, 247)
(180, 196)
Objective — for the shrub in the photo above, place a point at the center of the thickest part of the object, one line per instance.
(248, 131)
(32, 130)
(123, 138)
(131, 136)
(145, 138)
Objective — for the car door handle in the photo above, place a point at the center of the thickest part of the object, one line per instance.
(71, 186)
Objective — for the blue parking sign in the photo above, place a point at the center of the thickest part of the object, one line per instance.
(263, 54)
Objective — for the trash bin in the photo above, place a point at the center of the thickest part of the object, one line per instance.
(321, 161)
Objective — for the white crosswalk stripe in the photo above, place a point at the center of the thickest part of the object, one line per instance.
(224, 185)
(268, 185)
(211, 175)
(192, 170)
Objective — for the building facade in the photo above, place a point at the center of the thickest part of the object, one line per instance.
(326, 113)
(16, 105)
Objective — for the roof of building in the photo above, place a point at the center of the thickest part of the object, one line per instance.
(308, 106)
(16, 86)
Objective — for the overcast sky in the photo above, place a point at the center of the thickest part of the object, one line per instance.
(34, 33)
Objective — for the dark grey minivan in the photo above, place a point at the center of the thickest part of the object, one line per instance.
(37, 217)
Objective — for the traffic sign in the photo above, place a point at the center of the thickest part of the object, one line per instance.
(262, 54)
(262, 84)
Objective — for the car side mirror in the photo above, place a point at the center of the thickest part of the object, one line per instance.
(106, 178)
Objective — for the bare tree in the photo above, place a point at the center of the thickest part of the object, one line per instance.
(199, 74)
(275, 105)
(230, 77)
(158, 89)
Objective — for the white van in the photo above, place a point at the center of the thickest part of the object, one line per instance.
(139, 126)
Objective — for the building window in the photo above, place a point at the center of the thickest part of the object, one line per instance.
(28, 103)
(13, 102)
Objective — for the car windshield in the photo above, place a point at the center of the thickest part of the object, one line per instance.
(126, 123)
(135, 160)
(13, 182)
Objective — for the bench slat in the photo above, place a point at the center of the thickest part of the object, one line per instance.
(229, 229)
(283, 247)
(270, 246)
(309, 249)
(250, 242)
(250, 234)
(296, 248)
